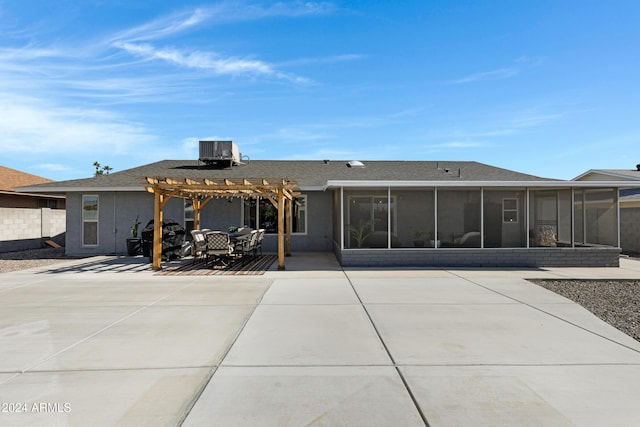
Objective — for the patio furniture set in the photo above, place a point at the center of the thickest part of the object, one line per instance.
(222, 249)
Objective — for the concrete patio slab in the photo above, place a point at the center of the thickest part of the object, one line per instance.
(29, 336)
(126, 346)
(220, 291)
(319, 396)
(303, 335)
(307, 265)
(527, 395)
(180, 336)
(430, 290)
(394, 272)
(583, 318)
(56, 294)
(520, 290)
(488, 334)
(310, 291)
(102, 398)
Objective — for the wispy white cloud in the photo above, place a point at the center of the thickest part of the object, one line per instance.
(499, 74)
(46, 84)
(32, 125)
(52, 167)
(223, 12)
(210, 61)
(138, 40)
(162, 27)
(520, 64)
(324, 60)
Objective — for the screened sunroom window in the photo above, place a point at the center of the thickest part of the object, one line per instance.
(367, 218)
(459, 218)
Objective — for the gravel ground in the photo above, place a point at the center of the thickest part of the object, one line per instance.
(21, 260)
(617, 302)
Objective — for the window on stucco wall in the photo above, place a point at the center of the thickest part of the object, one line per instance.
(90, 205)
(261, 213)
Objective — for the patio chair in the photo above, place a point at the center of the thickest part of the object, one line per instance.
(259, 240)
(199, 246)
(247, 245)
(219, 247)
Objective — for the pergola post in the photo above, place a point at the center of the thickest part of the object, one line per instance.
(287, 213)
(195, 202)
(157, 230)
(281, 231)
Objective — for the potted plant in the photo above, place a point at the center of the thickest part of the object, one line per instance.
(133, 242)
(361, 232)
(418, 242)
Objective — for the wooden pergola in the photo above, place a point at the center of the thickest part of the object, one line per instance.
(279, 191)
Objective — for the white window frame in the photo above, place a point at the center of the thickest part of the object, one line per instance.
(96, 220)
(516, 210)
(306, 222)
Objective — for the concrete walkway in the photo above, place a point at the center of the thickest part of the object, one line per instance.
(106, 342)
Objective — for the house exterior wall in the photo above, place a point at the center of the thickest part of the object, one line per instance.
(630, 230)
(116, 213)
(23, 228)
(118, 210)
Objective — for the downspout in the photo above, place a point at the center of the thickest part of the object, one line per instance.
(617, 199)
(573, 217)
(435, 217)
(115, 228)
(481, 217)
(341, 225)
(389, 218)
(526, 218)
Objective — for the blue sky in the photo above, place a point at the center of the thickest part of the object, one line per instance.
(549, 88)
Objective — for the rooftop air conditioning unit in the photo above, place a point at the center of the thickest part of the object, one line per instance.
(219, 153)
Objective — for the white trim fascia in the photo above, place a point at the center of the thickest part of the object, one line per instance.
(312, 188)
(502, 184)
(78, 189)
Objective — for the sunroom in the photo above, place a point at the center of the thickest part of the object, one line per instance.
(517, 223)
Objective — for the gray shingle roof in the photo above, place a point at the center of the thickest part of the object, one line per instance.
(307, 173)
(632, 174)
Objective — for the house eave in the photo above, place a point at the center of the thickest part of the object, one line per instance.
(79, 189)
(496, 184)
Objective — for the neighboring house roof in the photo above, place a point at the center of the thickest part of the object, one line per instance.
(609, 175)
(11, 178)
(307, 173)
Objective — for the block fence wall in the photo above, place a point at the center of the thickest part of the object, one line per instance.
(465, 257)
(23, 228)
(630, 230)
